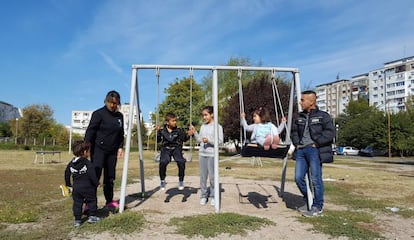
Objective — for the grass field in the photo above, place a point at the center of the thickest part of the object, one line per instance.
(357, 189)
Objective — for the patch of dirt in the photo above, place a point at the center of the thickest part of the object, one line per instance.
(247, 197)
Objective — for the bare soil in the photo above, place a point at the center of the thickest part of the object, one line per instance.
(247, 197)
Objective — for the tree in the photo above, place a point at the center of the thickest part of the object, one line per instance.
(256, 93)
(402, 132)
(228, 81)
(362, 125)
(177, 101)
(37, 121)
(60, 133)
(5, 130)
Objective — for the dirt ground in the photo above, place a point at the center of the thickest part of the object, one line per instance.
(247, 197)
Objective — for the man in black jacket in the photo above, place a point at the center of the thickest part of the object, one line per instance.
(106, 135)
(312, 134)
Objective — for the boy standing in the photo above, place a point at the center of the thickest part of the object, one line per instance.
(85, 182)
(172, 139)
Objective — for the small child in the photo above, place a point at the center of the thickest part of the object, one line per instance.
(172, 139)
(85, 182)
(206, 155)
(264, 132)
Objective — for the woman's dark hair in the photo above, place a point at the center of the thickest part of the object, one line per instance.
(79, 147)
(209, 109)
(113, 94)
(263, 114)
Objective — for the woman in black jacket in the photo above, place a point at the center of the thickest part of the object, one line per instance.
(106, 135)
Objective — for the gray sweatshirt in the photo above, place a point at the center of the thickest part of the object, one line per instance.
(207, 131)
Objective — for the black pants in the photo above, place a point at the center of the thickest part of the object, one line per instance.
(107, 162)
(84, 194)
(165, 159)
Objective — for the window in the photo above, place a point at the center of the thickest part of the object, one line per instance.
(399, 84)
(400, 69)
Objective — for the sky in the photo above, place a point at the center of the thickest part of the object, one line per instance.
(69, 53)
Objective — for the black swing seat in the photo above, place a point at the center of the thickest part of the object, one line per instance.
(254, 150)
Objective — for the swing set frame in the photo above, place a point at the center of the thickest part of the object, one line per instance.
(135, 103)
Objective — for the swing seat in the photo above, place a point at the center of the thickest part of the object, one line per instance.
(254, 150)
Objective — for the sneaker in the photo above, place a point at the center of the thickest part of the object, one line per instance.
(212, 202)
(314, 212)
(66, 191)
(77, 223)
(112, 205)
(181, 185)
(162, 185)
(93, 219)
(303, 208)
(203, 201)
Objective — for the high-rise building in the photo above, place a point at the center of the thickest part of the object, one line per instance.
(8, 111)
(81, 118)
(333, 97)
(391, 86)
(388, 87)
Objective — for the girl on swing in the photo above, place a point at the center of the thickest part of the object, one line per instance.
(264, 132)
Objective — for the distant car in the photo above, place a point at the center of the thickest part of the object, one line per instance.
(370, 151)
(347, 151)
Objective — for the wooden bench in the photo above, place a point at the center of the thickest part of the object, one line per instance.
(44, 153)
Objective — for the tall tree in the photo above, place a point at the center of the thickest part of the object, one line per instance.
(362, 125)
(5, 130)
(228, 81)
(37, 121)
(177, 101)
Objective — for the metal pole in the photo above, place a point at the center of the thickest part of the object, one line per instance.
(294, 85)
(139, 132)
(216, 140)
(203, 67)
(128, 142)
(389, 129)
(17, 129)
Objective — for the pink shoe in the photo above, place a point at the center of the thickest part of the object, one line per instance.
(276, 141)
(267, 141)
(112, 205)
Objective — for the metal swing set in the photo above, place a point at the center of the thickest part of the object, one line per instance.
(135, 103)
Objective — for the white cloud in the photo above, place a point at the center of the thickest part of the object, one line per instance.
(111, 62)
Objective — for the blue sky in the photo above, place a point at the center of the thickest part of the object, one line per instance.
(70, 53)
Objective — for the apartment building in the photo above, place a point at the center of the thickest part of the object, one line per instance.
(359, 86)
(333, 97)
(8, 111)
(387, 88)
(391, 86)
(80, 120)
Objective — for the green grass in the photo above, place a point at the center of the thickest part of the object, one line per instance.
(211, 225)
(350, 224)
(31, 205)
(125, 223)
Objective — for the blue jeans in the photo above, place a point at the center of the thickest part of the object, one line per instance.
(308, 158)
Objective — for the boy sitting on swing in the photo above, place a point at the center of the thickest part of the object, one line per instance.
(172, 139)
